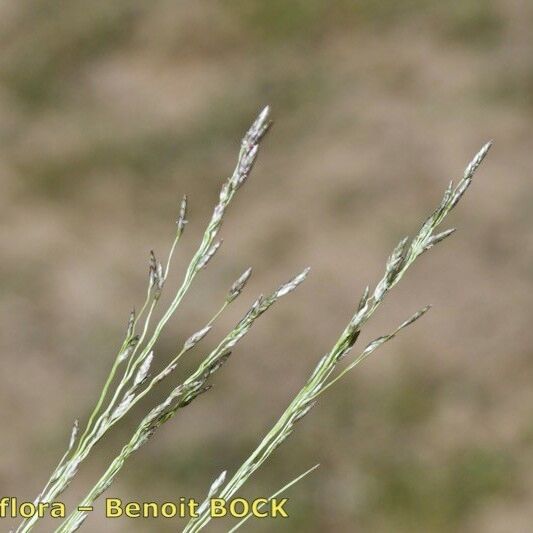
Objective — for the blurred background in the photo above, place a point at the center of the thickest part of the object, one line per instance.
(110, 111)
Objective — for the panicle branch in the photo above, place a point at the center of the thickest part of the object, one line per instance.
(401, 258)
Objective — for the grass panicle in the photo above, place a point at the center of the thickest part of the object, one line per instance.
(322, 377)
(130, 378)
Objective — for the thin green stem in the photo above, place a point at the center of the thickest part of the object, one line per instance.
(275, 495)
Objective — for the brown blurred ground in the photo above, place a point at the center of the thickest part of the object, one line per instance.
(109, 111)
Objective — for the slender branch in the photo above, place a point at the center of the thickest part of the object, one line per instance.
(402, 257)
(99, 424)
(183, 394)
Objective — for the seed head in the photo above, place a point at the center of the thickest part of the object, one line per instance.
(182, 220)
(239, 284)
(195, 338)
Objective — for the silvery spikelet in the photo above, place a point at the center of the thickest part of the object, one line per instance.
(194, 339)
(209, 255)
(182, 217)
(292, 284)
(239, 285)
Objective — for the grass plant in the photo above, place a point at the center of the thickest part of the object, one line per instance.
(130, 379)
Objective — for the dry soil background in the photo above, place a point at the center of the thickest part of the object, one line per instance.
(110, 111)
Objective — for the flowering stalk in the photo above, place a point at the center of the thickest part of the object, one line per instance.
(182, 395)
(136, 352)
(402, 257)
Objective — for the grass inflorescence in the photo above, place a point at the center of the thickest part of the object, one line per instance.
(130, 378)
